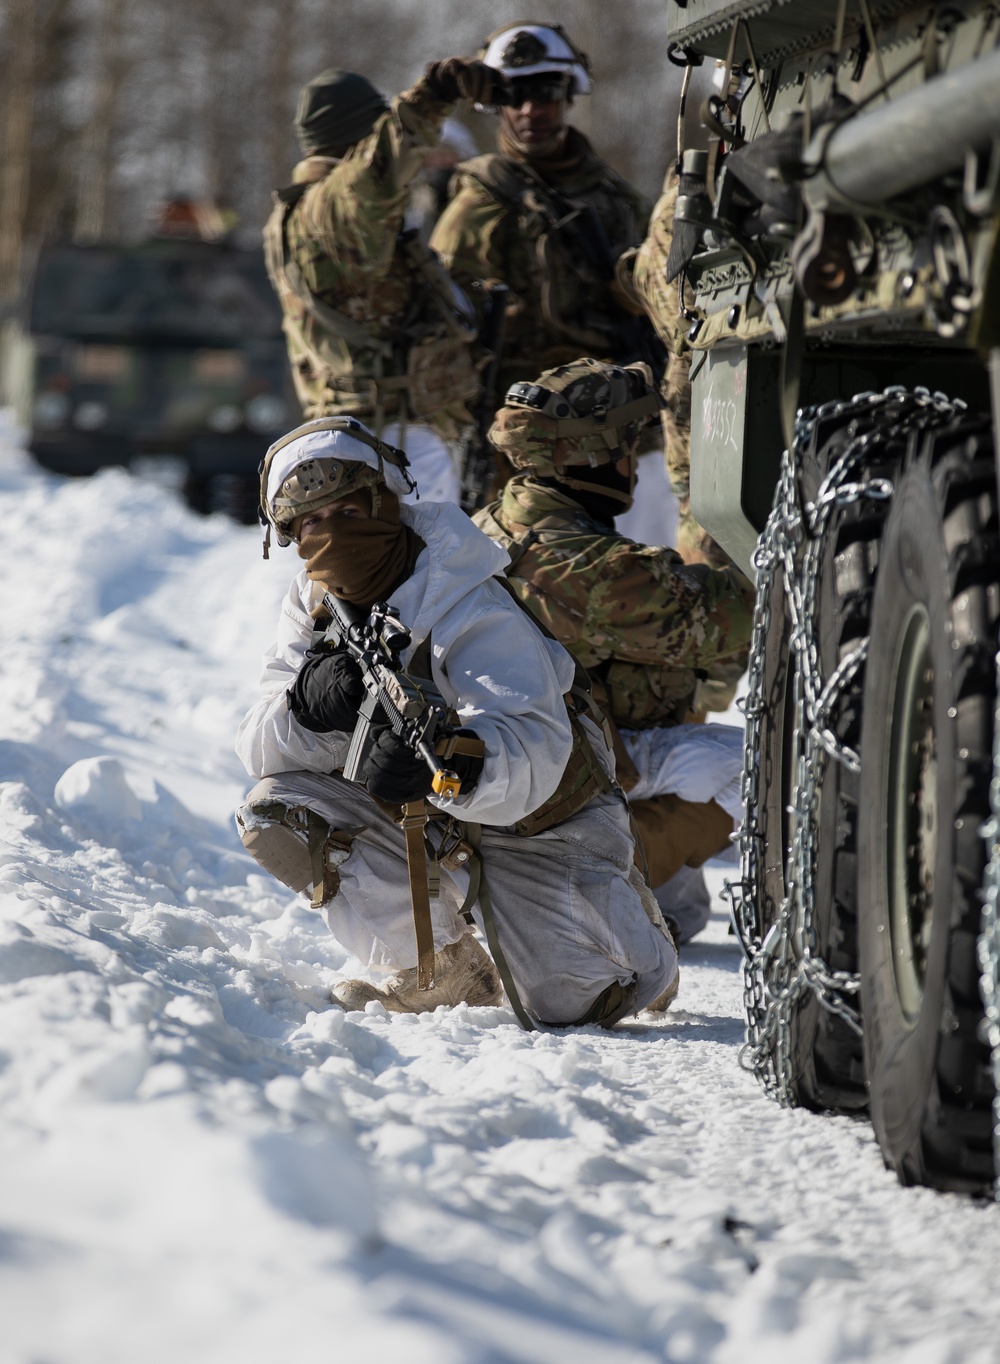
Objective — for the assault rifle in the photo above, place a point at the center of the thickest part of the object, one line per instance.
(413, 707)
(578, 225)
(477, 458)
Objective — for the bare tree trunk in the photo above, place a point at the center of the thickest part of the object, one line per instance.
(226, 34)
(93, 201)
(279, 84)
(15, 141)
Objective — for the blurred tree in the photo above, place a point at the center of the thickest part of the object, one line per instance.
(36, 139)
(280, 90)
(96, 146)
(109, 108)
(18, 83)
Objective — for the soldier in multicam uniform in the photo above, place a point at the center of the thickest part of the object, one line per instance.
(546, 216)
(662, 304)
(654, 274)
(649, 629)
(375, 326)
(658, 292)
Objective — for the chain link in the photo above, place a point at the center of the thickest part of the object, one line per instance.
(782, 960)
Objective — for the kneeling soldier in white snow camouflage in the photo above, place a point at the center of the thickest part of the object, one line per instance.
(573, 929)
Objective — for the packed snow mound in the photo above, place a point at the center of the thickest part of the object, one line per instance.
(98, 785)
(202, 1160)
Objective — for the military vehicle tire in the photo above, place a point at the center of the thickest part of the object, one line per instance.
(826, 1054)
(926, 762)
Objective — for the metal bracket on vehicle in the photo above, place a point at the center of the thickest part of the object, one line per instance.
(981, 187)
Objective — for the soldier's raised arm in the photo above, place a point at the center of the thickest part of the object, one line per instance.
(375, 327)
(379, 149)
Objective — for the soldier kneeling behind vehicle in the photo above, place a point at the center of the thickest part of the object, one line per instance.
(454, 698)
(649, 629)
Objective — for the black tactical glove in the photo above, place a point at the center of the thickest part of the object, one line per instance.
(465, 78)
(327, 693)
(395, 774)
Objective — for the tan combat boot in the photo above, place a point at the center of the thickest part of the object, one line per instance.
(463, 973)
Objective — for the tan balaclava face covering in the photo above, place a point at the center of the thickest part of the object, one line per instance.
(360, 560)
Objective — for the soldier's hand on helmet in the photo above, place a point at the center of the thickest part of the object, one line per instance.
(466, 78)
(327, 693)
(394, 773)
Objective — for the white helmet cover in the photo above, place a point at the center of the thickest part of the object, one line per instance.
(344, 440)
(532, 50)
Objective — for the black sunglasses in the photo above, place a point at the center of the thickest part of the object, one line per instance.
(545, 89)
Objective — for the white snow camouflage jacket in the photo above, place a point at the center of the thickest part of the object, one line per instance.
(504, 678)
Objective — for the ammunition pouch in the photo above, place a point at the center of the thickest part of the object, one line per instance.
(439, 372)
(583, 778)
(566, 251)
(641, 696)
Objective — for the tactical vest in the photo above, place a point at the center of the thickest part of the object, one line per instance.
(426, 367)
(569, 245)
(632, 695)
(583, 776)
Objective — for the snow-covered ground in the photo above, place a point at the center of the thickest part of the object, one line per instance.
(200, 1160)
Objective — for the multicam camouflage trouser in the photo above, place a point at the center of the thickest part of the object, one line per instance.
(677, 833)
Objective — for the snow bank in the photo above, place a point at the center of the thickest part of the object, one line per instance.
(200, 1160)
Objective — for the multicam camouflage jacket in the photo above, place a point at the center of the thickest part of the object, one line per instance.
(375, 327)
(660, 299)
(646, 626)
(500, 225)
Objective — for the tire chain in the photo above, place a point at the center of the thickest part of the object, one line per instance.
(783, 962)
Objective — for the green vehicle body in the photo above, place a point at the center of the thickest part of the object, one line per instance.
(843, 231)
(888, 330)
(170, 348)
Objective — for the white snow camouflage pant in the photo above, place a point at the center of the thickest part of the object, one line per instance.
(567, 919)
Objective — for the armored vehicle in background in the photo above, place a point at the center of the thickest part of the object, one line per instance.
(836, 248)
(170, 348)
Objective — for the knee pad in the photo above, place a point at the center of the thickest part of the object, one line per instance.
(296, 845)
